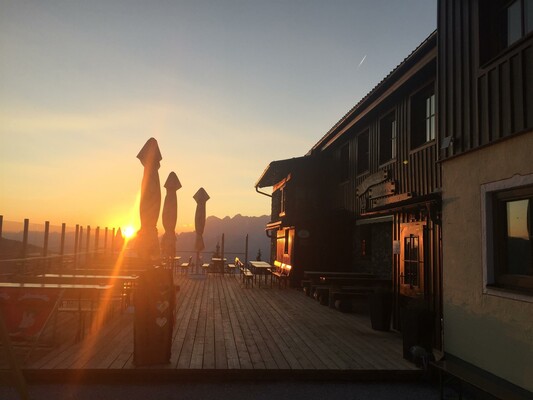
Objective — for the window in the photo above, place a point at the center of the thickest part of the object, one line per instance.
(362, 152)
(502, 23)
(519, 20)
(423, 117)
(387, 138)
(411, 261)
(509, 238)
(283, 201)
(344, 163)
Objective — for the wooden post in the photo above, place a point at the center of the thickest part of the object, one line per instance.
(62, 248)
(113, 242)
(46, 234)
(96, 239)
(63, 231)
(1, 223)
(45, 263)
(105, 240)
(246, 251)
(25, 238)
(80, 243)
(87, 247)
(76, 240)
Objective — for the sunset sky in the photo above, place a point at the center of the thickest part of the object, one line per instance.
(225, 86)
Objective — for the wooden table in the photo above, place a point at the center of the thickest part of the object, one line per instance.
(260, 268)
(126, 283)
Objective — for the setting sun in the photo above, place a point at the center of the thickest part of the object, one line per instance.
(128, 232)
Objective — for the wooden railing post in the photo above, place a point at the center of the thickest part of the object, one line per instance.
(96, 239)
(87, 245)
(105, 240)
(46, 234)
(62, 248)
(63, 232)
(45, 263)
(76, 239)
(25, 243)
(113, 242)
(80, 247)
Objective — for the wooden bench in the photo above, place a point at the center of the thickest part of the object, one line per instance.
(247, 275)
(350, 299)
(185, 266)
(454, 369)
(281, 272)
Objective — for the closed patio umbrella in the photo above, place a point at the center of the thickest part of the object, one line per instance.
(170, 216)
(201, 198)
(147, 241)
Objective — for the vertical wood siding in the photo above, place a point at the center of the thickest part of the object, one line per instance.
(479, 104)
(414, 171)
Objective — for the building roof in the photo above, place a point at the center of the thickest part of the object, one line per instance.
(277, 170)
(425, 48)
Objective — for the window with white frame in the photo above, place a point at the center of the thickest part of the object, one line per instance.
(503, 23)
(423, 117)
(508, 234)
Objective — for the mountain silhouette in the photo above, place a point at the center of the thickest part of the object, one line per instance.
(235, 230)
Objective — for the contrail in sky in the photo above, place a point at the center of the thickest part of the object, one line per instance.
(362, 61)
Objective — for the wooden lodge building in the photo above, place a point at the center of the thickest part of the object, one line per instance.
(418, 183)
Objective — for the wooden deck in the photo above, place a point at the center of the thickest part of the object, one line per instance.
(223, 326)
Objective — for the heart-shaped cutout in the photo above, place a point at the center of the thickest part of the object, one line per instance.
(162, 306)
(161, 321)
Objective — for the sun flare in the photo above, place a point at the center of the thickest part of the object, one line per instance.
(128, 232)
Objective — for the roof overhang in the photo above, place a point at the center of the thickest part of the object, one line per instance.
(278, 170)
(423, 55)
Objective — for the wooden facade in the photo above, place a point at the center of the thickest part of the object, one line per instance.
(485, 91)
(373, 174)
(402, 183)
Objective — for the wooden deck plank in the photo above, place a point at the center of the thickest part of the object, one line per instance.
(277, 339)
(233, 332)
(219, 341)
(231, 353)
(260, 332)
(290, 333)
(220, 324)
(185, 356)
(313, 341)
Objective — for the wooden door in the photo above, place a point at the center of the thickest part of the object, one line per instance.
(412, 260)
